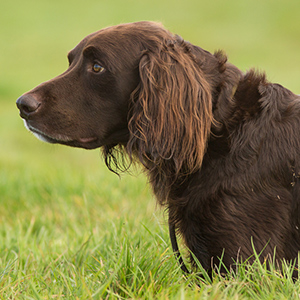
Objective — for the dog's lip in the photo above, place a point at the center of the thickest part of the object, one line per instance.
(87, 140)
(62, 138)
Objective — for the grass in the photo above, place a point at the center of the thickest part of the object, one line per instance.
(69, 228)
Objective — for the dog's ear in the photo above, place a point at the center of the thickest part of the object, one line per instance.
(171, 114)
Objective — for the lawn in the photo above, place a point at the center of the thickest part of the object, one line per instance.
(69, 228)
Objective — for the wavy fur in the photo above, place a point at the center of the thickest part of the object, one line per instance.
(171, 115)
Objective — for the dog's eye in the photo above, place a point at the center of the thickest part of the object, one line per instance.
(97, 68)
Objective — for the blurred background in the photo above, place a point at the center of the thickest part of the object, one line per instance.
(35, 37)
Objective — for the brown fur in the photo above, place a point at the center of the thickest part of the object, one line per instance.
(221, 148)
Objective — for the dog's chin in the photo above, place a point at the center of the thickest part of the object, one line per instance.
(86, 143)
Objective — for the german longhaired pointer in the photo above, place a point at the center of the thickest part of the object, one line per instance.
(221, 148)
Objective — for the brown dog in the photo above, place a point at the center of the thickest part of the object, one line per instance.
(221, 148)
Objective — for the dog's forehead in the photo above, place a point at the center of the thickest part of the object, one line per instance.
(109, 41)
(118, 36)
(126, 41)
(112, 44)
(108, 38)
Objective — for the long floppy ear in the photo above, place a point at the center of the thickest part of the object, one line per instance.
(171, 114)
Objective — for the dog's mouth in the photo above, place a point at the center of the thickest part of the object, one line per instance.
(84, 142)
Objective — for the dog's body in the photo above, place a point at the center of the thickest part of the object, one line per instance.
(221, 148)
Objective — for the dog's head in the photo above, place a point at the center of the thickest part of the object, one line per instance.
(135, 85)
(87, 105)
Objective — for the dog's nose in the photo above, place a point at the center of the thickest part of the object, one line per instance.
(27, 104)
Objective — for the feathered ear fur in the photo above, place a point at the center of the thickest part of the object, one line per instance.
(171, 113)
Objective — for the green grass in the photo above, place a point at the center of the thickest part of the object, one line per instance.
(69, 228)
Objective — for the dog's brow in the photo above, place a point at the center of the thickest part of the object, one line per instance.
(70, 55)
(91, 50)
